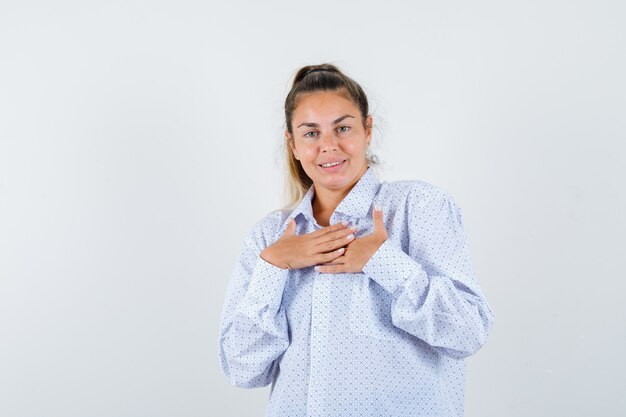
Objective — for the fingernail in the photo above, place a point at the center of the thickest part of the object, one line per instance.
(317, 268)
(354, 228)
(340, 250)
(378, 207)
(350, 236)
(345, 222)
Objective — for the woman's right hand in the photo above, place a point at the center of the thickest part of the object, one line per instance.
(292, 251)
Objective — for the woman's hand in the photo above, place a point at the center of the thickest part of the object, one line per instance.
(359, 251)
(292, 251)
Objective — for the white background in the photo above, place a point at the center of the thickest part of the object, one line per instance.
(140, 141)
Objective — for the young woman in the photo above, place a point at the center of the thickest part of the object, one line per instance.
(359, 299)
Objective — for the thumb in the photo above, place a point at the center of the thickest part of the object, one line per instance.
(291, 228)
(379, 224)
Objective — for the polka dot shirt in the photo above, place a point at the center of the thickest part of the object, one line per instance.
(389, 341)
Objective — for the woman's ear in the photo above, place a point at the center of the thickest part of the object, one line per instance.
(368, 129)
(290, 143)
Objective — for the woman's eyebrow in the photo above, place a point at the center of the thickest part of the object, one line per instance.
(315, 124)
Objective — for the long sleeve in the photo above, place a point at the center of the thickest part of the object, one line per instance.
(253, 327)
(435, 294)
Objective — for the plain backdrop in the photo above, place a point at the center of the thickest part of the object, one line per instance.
(141, 140)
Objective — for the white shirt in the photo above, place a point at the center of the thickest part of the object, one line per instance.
(389, 341)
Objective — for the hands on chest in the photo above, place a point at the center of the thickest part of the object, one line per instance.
(331, 249)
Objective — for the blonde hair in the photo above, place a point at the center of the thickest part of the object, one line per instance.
(322, 77)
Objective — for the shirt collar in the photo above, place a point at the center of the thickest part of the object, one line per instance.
(304, 207)
(356, 204)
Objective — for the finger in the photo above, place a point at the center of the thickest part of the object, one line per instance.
(335, 240)
(377, 214)
(330, 256)
(329, 229)
(339, 234)
(291, 228)
(341, 260)
(330, 269)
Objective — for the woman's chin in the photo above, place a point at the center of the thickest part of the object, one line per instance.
(334, 183)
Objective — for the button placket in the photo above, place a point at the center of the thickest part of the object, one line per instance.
(320, 320)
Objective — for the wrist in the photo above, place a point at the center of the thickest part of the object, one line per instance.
(269, 255)
(378, 243)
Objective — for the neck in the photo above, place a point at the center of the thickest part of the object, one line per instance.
(325, 201)
(324, 204)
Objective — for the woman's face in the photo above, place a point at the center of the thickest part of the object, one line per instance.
(329, 139)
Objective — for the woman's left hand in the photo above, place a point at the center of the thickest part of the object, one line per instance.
(359, 251)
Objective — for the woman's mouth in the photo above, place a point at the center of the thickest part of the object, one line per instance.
(332, 165)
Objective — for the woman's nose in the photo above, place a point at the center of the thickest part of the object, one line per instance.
(328, 142)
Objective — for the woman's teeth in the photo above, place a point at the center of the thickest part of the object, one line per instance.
(331, 164)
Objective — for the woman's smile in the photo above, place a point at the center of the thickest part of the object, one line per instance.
(332, 166)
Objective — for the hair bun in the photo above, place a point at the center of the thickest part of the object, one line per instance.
(315, 68)
(320, 68)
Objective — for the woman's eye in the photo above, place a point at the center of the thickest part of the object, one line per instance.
(306, 135)
(342, 127)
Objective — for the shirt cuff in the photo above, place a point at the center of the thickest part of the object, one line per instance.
(393, 269)
(265, 291)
